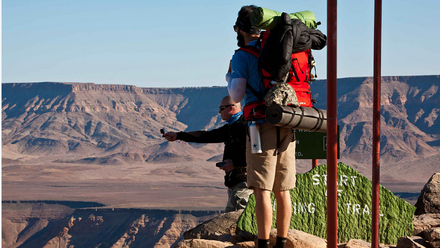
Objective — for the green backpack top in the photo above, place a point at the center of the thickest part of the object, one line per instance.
(268, 19)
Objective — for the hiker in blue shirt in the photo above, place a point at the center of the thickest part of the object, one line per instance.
(269, 170)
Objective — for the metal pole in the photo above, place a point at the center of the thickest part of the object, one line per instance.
(376, 122)
(332, 200)
(314, 163)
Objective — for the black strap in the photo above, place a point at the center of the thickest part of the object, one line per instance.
(293, 69)
(320, 120)
(291, 117)
(277, 151)
(301, 117)
(254, 92)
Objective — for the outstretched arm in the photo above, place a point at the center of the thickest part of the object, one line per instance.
(213, 136)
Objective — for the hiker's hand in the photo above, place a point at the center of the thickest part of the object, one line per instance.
(170, 136)
(228, 166)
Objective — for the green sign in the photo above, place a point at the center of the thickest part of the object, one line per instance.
(311, 145)
(309, 208)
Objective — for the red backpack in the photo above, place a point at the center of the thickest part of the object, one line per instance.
(299, 77)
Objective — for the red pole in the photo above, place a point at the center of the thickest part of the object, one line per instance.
(376, 122)
(332, 169)
(314, 163)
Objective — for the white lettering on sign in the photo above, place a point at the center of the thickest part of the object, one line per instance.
(366, 210)
(343, 180)
(339, 192)
(325, 179)
(298, 154)
(355, 209)
(315, 179)
(301, 208)
(352, 179)
(348, 207)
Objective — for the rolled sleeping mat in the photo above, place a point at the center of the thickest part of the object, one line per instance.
(268, 19)
(303, 118)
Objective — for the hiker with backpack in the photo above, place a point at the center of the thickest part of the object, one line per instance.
(272, 168)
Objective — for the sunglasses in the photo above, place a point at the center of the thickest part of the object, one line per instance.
(221, 108)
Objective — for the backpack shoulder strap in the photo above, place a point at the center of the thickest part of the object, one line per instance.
(251, 49)
(254, 50)
(254, 92)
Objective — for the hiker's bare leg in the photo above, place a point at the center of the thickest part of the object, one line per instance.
(263, 211)
(284, 212)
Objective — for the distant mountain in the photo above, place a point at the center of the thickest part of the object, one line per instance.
(114, 124)
(108, 121)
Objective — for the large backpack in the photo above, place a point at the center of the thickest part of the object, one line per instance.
(298, 64)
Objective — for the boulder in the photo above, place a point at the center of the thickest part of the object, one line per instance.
(357, 243)
(247, 244)
(407, 242)
(429, 199)
(203, 243)
(299, 239)
(428, 226)
(433, 236)
(221, 228)
(425, 222)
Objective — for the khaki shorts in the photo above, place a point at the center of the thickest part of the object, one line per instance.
(269, 171)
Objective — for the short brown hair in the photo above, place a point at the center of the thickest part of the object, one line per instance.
(244, 19)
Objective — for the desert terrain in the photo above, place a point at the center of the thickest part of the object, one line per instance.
(77, 156)
(101, 143)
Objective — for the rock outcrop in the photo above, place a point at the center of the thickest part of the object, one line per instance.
(427, 221)
(428, 227)
(221, 228)
(429, 199)
(55, 225)
(297, 238)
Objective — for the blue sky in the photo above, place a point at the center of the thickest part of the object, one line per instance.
(189, 43)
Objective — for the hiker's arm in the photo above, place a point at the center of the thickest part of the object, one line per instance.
(239, 68)
(228, 75)
(213, 136)
(237, 89)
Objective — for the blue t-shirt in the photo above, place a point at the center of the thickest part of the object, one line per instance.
(245, 65)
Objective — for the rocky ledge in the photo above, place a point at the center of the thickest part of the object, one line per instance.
(222, 231)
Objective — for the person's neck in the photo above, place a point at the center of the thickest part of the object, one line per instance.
(248, 39)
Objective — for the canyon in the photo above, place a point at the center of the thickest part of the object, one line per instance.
(83, 142)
